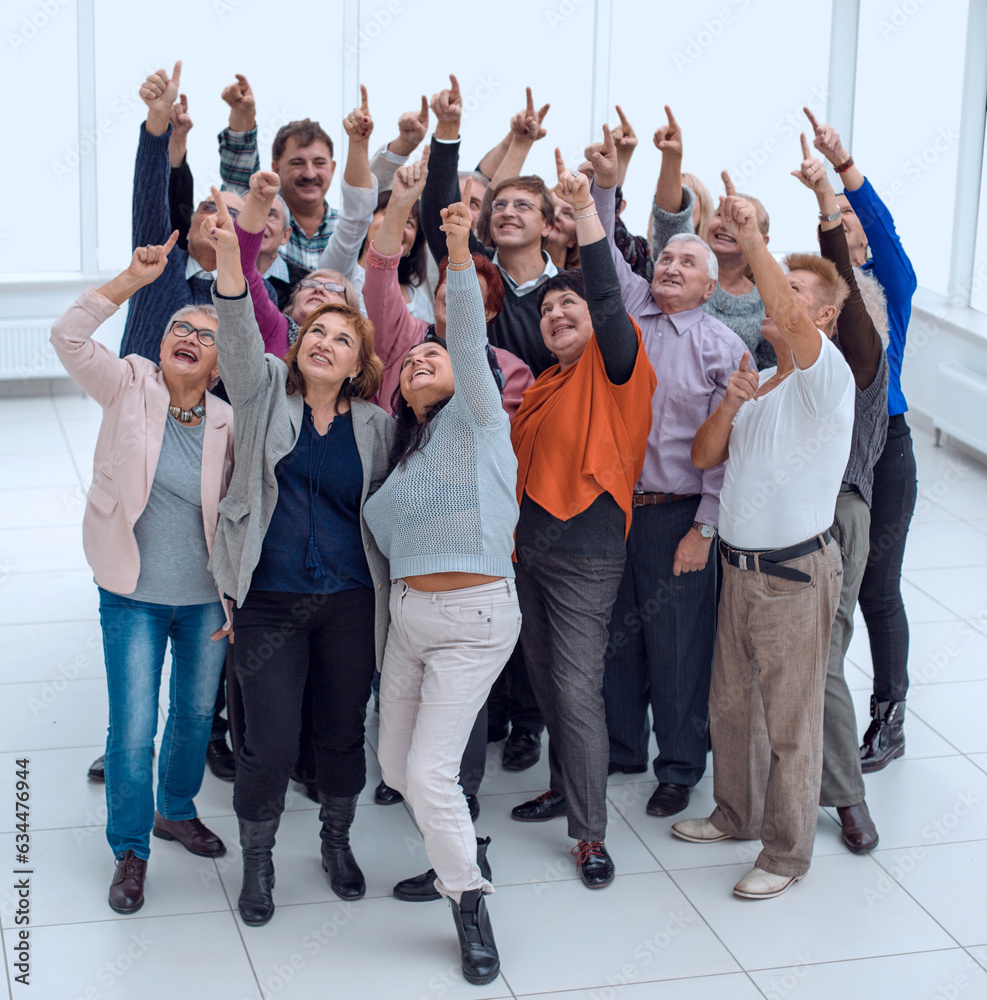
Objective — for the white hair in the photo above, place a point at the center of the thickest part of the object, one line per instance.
(875, 302)
(712, 268)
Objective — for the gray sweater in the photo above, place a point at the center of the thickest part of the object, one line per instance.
(452, 506)
(268, 422)
(742, 313)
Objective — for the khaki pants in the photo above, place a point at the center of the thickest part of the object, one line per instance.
(443, 653)
(766, 706)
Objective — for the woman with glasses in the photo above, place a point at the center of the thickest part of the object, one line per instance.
(163, 461)
(294, 553)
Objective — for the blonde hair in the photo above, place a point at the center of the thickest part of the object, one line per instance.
(830, 289)
(706, 206)
(875, 302)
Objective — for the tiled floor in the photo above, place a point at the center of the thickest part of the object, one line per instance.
(908, 921)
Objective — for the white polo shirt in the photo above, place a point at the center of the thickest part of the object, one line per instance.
(787, 455)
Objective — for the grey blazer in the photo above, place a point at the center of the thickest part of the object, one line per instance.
(267, 423)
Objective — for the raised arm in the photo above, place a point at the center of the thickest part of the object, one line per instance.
(859, 338)
(442, 186)
(151, 211)
(412, 128)
(636, 290)
(739, 219)
(711, 445)
(93, 366)
(615, 333)
(476, 391)
(238, 156)
(668, 141)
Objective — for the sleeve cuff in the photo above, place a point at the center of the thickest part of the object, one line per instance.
(231, 298)
(238, 141)
(708, 511)
(97, 305)
(385, 154)
(382, 261)
(445, 142)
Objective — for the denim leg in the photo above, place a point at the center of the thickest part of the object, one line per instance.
(135, 635)
(197, 663)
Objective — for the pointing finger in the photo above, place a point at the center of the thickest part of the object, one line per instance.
(745, 362)
(671, 118)
(806, 154)
(608, 143)
(423, 114)
(623, 118)
(812, 120)
(531, 101)
(176, 74)
(467, 192)
(727, 184)
(543, 110)
(363, 99)
(454, 86)
(559, 163)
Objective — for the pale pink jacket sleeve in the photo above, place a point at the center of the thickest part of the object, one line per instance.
(273, 323)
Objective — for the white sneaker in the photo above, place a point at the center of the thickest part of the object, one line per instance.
(698, 831)
(759, 884)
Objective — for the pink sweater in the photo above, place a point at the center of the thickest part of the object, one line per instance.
(272, 322)
(397, 331)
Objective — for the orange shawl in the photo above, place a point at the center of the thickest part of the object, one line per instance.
(578, 435)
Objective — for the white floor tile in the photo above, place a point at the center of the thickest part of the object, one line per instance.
(146, 957)
(735, 986)
(924, 976)
(52, 714)
(42, 508)
(957, 708)
(27, 411)
(639, 928)
(980, 759)
(31, 471)
(75, 408)
(962, 590)
(37, 550)
(371, 948)
(46, 597)
(832, 900)
(921, 606)
(67, 650)
(918, 803)
(933, 546)
(927, 511)
(949, 880)
(45, 438)
(73, 869)
(966, 499)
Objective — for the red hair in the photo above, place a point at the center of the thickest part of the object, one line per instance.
(493, 301)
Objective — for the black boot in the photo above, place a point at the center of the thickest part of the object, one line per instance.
(421, 888)
(337, 816)
(885, 736)
(481, 963)
(256, 842)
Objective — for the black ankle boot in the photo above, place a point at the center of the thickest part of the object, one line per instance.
(481, 963)
(421, 888)
(885, 736)
(256, 842)
(337, 816)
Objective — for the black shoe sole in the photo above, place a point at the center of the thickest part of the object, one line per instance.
(256, 923)
(347, 898)
(538, 819)
(416, 899)
(513, 766)
(126, 910)
(626, 769)
(869, 767)
(482, 980)
(598, 885)
(163, 835)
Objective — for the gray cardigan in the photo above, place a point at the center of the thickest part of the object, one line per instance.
(267, 423)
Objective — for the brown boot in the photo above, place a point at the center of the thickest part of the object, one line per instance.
(127, 887)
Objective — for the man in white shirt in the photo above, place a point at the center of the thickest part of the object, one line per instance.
(785, 437)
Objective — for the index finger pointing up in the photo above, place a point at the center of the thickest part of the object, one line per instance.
(622, 116)
(728, 184)
(559, 163)
(745, 362)
(176, 74)
(423, 114)
(806, 154)
(454, 86)
(363, 99)
(467, 192)
(812, 121)
(531, 102)
(222, 212)
(671, 118)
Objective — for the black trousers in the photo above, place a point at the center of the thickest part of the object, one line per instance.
(661, 648)
(512, 699)
(895, 492)
(281, 642)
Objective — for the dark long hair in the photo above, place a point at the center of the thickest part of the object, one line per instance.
(412, 270)
(412, 436)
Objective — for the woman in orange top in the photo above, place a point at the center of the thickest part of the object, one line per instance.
(579, 436)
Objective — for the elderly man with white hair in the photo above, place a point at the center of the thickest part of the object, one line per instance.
(663, 623)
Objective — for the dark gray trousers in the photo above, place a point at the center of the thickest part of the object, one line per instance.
(565, 606)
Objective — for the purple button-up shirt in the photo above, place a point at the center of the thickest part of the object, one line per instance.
(693, 355)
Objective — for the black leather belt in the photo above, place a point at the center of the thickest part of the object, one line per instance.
(767, 561)
(650, 499)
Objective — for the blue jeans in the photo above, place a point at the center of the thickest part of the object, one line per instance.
(135, 634)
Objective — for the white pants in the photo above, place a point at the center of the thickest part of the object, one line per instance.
(443, 653)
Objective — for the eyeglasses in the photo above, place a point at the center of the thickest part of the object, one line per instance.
(209, 208)
(521, 206)
(329, 286)
(207, 338)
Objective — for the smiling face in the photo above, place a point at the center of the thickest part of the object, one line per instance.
(407, 237)
(329, 352)
(426, 376)
(565, 325)
(184, 359)
(563, 234)
(277, 230)
(306, 173)
(856, 238)
(514, 228)
(681, 279)
(307, 300)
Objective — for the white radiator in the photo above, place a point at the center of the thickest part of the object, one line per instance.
(25, 351)
(961, 405)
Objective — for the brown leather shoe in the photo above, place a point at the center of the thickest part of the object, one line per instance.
(859, 832)
(191, 834)
(127, 887)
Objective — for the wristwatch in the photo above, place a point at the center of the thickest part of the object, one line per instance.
(706, 530)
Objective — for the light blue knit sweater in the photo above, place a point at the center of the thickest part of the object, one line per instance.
(452, 506)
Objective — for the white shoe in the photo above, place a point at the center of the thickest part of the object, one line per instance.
(759, 884)
(698, 831)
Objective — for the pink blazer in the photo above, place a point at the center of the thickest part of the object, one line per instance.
(134, 398)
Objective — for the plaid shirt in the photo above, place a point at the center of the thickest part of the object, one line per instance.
(238, 159)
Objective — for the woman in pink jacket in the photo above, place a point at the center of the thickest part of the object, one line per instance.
(163, 461)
